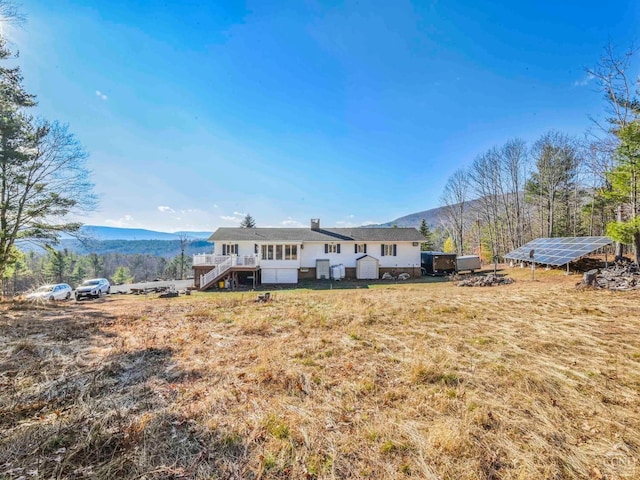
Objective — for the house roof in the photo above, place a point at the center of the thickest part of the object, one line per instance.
(367, 257)
(228, 234)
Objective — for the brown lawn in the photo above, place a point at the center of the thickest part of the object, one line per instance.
(534, 380)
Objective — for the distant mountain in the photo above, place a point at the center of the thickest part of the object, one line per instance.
(159, 248)
(432, 217)
(129, 241)
(112, 233)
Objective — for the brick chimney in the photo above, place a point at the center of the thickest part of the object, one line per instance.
(315, 224)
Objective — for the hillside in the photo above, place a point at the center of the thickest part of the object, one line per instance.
(129, 241)
(434, 217)
(113, 233)
(159, 248)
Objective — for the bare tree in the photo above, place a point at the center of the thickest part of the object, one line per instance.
(484, 177)
(185, 240)
(515, 165)
(552, 183)
(43, 177)
(614, 78)
(454, 199)
(10, 14)
(612, 74)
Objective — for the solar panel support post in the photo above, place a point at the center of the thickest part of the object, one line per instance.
(533, 264)
(568, 272)
(533, 270)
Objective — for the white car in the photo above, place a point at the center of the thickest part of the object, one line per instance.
(93, 288)
(57, 291)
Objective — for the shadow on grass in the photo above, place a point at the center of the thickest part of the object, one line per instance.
(346, 284)
(364, 284)
(76, 403)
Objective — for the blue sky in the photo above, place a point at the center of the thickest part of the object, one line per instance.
(196, 112)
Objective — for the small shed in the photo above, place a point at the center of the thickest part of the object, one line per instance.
(323, 269)
(367, 268)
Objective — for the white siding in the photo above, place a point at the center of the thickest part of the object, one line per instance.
(244, 248)
(407, 256)
(279, 275)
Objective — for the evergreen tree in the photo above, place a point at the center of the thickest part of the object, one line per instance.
(174, 267)
(122, 275)
(96, 264)
(79, 272)
(42, 172)
(248, 222)
(57, 266)
(426, 233)
(625, 187)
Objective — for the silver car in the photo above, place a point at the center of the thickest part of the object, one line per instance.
(93, 288)
(57, 291)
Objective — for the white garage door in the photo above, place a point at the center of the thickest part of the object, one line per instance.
(269, 275)
(280, 275)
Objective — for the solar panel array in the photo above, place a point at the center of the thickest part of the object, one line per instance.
(558, 251)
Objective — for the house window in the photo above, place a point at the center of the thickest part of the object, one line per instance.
(290, 252)
(361, 248)
(389, 249)
(267, 252)
(331, 248)
(279, 252)
(230, 249)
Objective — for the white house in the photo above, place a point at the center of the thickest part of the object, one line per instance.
(287, 255)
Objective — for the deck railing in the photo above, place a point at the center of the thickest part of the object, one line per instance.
(206, 259)
(216, 272)
(222, 263)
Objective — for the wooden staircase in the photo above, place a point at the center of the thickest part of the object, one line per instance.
(215, 274)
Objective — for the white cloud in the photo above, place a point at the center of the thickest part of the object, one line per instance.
(230, 218)
(370, 222)
(123, 222)
(101, 95)
(163, 208)
(240, 213)
(345, 224)
(584, 80)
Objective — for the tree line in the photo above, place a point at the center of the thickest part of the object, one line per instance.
(64, 266)
(559, 185)
(44, 179)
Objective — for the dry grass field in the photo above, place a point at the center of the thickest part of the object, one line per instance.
(533, 380)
